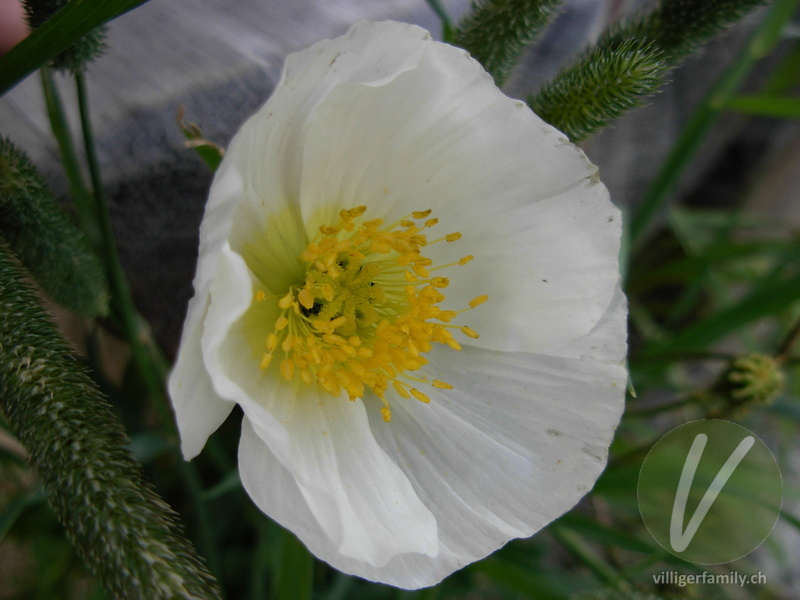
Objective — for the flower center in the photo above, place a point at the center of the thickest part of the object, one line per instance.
(367, 311)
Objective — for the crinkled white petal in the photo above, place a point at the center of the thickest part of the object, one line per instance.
(385, 117)
(269, 149)
(199, 411)
(351, 496)
(527, 437)
(492, 463)
(363, 504)
(231, 296)
(529, 205)
(360, 497)
(549, 269)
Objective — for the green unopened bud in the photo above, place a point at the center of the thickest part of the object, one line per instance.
(754, 379)
(83, 51)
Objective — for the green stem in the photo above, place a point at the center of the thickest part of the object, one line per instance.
(295, 577)
(646, 411)
(205, 533)
(784, 351)
(81, 195)
(448, 32)
(152, 367)
(262, 556)
(147, 357)
(694, 132)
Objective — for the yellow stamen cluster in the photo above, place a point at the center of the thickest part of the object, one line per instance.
(367, 310)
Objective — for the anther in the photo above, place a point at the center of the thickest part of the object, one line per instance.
(469, 332)
(420, 396)
(306, 299)
(478, 301)
(272, 342)
(286, 301)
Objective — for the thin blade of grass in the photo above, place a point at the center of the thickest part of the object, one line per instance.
(776, 107)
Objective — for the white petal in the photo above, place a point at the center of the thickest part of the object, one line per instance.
(252, 202)
(439, 135)
(386, 118)
(226, 342)
(276, 492)
(353, 501)
(358, 495)
(198, 409)
(529, 205)
(226, 190)
(340, 468)
(550, 270)
(608, 340)
(527, 436)
(268, 151)
(495, 475)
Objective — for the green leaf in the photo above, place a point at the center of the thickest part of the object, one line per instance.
(496, 32)
(683, 269)
(786, 76)
(12, 511)
(57, 34)
(229, 483)
(791, 519)
(210, 152)
(45, 240)
(760, 44)
(77, 447)
(85, 49)
(771, 295)
(606, 535)
(533, 584)
(585, 553)
(766, 106)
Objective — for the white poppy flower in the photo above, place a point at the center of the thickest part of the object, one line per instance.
(410, 285)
